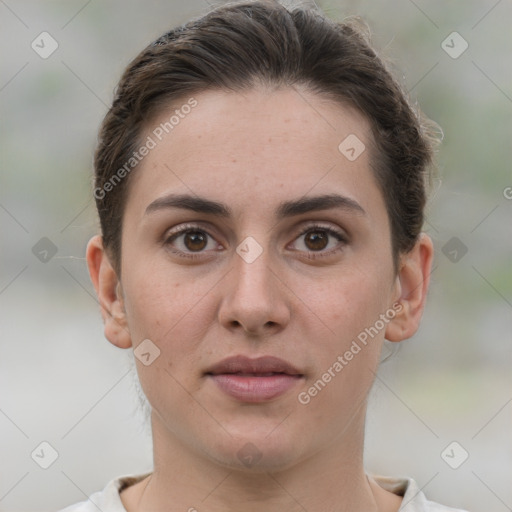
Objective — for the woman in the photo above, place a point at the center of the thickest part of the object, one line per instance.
(260, 181)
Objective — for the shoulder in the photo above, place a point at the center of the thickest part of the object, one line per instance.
(107, 500)
(414, 500)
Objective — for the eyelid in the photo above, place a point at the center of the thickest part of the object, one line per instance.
(180, 228)
(341, 234)
(338, 233)
(177, 231)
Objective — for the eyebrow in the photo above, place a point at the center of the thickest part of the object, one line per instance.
(286, 209)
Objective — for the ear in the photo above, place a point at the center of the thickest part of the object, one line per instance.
(109, 292)
(412, 285)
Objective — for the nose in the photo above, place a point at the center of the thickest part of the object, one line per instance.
(255, 299)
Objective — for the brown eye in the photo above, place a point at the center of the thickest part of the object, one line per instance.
(319, 241)
(316, 240)
(189, 241)
(195, 240)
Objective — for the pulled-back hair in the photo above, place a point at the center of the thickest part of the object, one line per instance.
(237, 46)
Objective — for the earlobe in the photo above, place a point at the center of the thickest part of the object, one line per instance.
(109, 292)
(412, 286)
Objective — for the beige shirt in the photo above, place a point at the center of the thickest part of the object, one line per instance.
(413, 500)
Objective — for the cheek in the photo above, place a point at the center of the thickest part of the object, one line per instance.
(350, 302)
(348, 354)
(168, 307)
(148, 305)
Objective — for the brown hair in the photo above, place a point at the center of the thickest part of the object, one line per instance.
(238, 45)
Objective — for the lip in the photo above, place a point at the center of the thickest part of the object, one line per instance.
(254, 380)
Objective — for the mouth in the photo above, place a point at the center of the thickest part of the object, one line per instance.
(254, 380)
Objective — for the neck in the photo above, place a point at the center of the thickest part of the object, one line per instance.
(330, 480)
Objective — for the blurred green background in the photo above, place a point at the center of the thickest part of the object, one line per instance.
(63, 383)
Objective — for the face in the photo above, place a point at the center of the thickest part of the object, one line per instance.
(249, 234)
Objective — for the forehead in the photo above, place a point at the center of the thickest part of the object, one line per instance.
(257, 146)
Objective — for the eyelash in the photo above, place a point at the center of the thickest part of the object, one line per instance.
(187, 228)
(312, 255)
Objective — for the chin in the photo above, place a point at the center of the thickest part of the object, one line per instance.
(256, 450)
